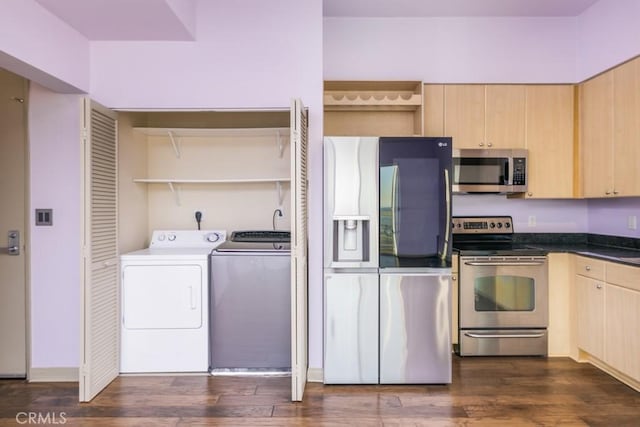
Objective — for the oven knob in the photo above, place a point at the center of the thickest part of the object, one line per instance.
(499, 225)
(507, 225)
(492, 225)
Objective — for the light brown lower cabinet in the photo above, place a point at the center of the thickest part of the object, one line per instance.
(608, 317)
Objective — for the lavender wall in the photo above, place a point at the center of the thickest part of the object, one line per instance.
(54, 150)
(610, 216)
(608, 34)
(550, 216)
(451, 50)
(37, 45)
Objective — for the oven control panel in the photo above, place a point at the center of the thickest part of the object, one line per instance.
(482, 225)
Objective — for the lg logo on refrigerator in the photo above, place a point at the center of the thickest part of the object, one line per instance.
(442, 144)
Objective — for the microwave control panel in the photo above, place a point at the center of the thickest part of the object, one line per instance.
(519, 171)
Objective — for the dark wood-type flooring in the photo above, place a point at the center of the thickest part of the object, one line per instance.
(485, 392)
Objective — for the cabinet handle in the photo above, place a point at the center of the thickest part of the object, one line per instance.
(489, 144)
(481, 144)
(588, 268)
(529, 194)
(615, 192)
(454, 278)
(599, 286)
(607, 192)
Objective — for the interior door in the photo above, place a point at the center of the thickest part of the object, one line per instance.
(13, 168)
(100, 318)
(299, 361)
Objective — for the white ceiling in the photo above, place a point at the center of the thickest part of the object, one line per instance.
(157, 20)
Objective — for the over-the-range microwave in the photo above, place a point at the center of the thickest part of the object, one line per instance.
(500, 171)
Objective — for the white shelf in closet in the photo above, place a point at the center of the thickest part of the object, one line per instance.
(174, 184)
(209, 181)
(175, 135)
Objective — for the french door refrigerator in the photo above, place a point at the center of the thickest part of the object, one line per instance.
(387, 260)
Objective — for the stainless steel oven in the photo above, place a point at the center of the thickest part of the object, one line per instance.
(503, 305)
(503, 299)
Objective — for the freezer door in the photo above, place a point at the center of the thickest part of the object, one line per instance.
(350, 328)
(415, 328)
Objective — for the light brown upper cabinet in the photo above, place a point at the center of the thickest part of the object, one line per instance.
(550, 141)
(485, 116)
(610, 132)
(537, 117)
(373, 108)
(626, 129)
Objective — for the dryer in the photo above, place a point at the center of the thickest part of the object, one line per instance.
(165, 293)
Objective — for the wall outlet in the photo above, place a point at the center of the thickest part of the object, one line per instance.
(632, 222)
(532, 220)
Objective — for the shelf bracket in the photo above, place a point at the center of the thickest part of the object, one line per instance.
(175, 144)
(280, 144)
(175, 189)
(280, 193)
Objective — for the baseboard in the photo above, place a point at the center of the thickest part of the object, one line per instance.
(315, 375)
(53, 375)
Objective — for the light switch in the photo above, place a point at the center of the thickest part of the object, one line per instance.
(44, 216)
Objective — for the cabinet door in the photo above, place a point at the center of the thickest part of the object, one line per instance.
(590, 315)
(505, 115)
(464, 107)
(351, 328)
(433, 110)
(549, 139)
(626, 102)
(622, 333)
(596, 126)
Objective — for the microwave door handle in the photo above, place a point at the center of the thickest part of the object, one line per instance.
(507, 165)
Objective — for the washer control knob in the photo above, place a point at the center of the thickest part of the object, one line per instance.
(172, 237)
(161, 237)
(212, 237)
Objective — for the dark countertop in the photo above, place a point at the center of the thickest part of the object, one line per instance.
(624, 250)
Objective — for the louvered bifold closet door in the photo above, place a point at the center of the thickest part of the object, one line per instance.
(299, 246)
(101, 292)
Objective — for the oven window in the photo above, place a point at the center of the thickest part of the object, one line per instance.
(504, 293)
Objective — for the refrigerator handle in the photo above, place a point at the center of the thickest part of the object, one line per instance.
(447, 198)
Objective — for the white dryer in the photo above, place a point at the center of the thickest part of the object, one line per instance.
(165, 293)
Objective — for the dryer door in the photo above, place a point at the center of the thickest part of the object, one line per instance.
(162, 296)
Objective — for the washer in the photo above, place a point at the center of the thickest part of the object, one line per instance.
(250, 297)
(165, 316)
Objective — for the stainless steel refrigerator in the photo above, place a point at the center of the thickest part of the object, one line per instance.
(387, 260)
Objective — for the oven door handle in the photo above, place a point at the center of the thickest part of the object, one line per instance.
(503, 263)
(481, 335)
